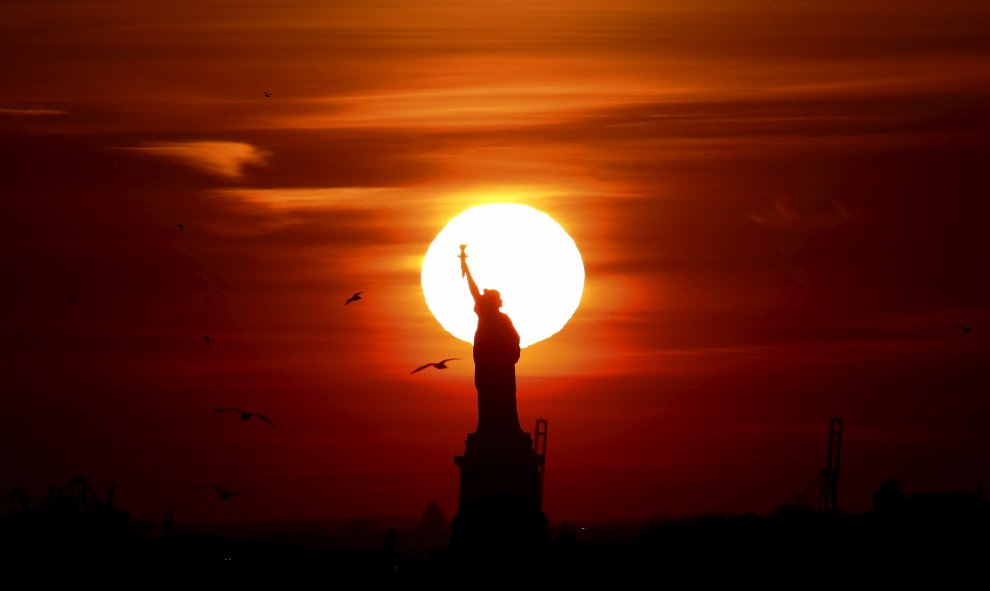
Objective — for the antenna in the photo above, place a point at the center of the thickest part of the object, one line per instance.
(540, 447)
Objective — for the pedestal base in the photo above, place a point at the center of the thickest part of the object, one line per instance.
(499, 516)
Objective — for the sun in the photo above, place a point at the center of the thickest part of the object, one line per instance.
(520, 251)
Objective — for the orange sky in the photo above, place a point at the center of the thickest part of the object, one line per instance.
(781, 209)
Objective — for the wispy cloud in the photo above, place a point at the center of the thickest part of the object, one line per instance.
(15, 112)
(215, 157)
(508, 104)
(452, 199)
(783, 214)
(303, 198)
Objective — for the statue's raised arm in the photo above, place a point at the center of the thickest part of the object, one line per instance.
(465, 272)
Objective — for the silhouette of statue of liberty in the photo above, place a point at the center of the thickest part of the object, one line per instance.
(499, 519)
(496, 351)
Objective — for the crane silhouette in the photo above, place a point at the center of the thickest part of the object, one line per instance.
(442, 364)
(245, 415)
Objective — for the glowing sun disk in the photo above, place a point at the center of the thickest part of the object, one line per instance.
(519, 251)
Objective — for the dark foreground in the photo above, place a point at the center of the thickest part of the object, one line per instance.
(811, 546)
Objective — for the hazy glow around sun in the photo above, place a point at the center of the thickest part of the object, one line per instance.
(518, 250)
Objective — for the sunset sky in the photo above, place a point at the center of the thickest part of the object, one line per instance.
(782, 209)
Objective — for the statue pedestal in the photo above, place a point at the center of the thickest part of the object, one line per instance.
(499, 514)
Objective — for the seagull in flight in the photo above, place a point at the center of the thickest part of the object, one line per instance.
(207, 339)
(225, 495)
(439, 364)
(354, 298)
(245, 415)
(180, 226)
(965, 329)
(268, 94)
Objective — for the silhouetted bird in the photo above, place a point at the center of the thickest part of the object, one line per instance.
(246, 415)
(268, 94)
(439, 364)
(965, 329)
(225, 495)
(180, 226)
(354, 298)
(207, 339)
(72, 300)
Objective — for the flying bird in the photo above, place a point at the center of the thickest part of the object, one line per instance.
(439, 364)
(268, 94)
(225, 495)
(245, 415)
(180, 226)
(965, 329)
(354, 298)
(207, 339)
